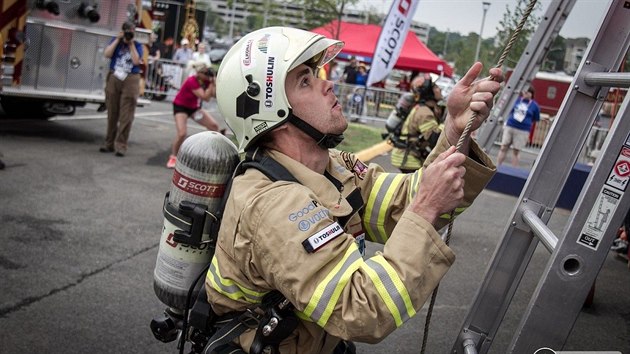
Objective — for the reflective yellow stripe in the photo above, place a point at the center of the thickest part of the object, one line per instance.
(412, 162)
(458, 211)
(427, 126)
(405, 128)
(230, 288)
(327, 292)
(414, 182)
(377, 204)
(390, 288)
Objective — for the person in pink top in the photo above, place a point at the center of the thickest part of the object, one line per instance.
(187, 103)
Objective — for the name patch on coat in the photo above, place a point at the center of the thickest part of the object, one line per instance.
(322, 237)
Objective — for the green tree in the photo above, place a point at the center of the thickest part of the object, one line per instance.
(554, 58)
(321, 12)
(457, 49)
(508, 24)
(373, 16)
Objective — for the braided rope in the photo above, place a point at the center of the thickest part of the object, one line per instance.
(462, 139)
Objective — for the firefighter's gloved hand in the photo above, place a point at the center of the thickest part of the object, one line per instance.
(470, 96)
(442, 186)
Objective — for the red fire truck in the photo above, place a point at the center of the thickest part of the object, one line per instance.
(52, 58)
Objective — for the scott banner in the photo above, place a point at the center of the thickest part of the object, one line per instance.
(391, 39)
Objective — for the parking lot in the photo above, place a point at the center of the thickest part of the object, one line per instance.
(80, 231)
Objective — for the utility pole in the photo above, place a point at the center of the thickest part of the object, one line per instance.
(486, 6)
(448, 31)
(232, 19)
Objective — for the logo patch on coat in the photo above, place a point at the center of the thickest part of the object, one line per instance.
(322, 237)
(355, 165)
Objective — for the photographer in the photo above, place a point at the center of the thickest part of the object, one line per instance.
(122, 88)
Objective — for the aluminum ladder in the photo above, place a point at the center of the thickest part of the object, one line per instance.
(525, 69)
(579, 252)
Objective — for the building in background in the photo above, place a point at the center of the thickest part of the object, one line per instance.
(575, 49)
(290, 14)
(421, 30)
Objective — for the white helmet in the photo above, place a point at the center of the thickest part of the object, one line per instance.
(250, 82)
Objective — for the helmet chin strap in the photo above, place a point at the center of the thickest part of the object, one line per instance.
(326, 141)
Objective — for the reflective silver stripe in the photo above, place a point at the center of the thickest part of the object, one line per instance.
(375, 205)
(390, 288)
(230, 288)
(326, 299)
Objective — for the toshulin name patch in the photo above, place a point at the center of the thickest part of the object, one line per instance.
(322, 237)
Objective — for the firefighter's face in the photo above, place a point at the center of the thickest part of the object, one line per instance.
(314, 101)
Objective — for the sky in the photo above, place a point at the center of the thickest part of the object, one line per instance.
(465, 16)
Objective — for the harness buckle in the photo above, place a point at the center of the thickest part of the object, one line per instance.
(250, 318)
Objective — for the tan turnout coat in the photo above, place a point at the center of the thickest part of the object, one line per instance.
(338, 292)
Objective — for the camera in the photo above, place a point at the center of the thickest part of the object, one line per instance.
(128, 35)
(209, 72)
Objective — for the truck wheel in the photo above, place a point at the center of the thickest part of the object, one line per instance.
(23, 108)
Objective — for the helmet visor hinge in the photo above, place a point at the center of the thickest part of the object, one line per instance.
(253, 89)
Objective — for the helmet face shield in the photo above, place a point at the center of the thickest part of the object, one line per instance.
(319, 53)
(251, 79)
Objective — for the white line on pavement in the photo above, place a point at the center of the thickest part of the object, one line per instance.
(104, 116)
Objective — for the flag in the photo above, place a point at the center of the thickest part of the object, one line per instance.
(391, 39)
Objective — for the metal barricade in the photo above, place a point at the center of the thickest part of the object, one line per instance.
(163, 78)
(366, 104)
(590, 150)
(593, 145)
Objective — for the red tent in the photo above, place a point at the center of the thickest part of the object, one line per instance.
(360, 41)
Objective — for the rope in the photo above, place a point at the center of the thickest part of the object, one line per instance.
(460, 143)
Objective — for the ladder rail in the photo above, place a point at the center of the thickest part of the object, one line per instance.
(525, 70)
(542, 189)
(573, 267)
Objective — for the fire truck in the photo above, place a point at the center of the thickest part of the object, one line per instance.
(52, 52)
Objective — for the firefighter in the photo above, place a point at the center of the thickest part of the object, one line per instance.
(421, 128)
(306, 239)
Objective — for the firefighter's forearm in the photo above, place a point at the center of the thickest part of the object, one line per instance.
(415, 269)
(453, 138)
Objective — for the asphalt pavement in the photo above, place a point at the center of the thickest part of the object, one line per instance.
(80, 231)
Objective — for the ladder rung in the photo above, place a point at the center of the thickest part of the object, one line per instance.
(540, 229)
(608, 79)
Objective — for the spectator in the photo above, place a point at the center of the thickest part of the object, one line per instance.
(518, 125)
(122, 88)
(187, 103)
(379, 95)
(620, 244)
(183, 54)
(201, 55)
(404, 84)
(361, 78)
(167, 53)
(154, 67)
(333, 72)
(155, 48)
(350, 72)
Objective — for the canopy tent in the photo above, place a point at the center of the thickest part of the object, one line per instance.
(360, 41)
